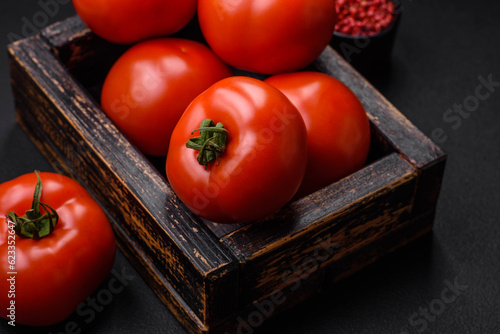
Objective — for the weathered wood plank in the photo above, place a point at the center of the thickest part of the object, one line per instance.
(356, 261)
(120, 177)
(162, 287)
(347, 215)
(315, 280)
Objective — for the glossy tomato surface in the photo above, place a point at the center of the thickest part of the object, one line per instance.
(131, 21)
(264, 160)
(338, 130)
(267, 36)
(151, 84)
(54, 274)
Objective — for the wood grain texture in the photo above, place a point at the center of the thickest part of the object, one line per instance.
(345, 216)
(49, 101)
(162, 287)
(212, 277)
(389, 243)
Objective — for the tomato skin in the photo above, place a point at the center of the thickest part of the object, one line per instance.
(267, 36)
(131, 21)
(56, 273)
(264, 161)
(150, 85)
(338, 130)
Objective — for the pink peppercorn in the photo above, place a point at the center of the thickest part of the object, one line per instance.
(363, 17)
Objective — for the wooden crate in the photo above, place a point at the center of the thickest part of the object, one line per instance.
(222, 279)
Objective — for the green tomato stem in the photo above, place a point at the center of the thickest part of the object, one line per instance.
(33, 224)
(211, 143)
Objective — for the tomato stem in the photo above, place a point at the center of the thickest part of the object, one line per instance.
(34, 224)
(211, 143)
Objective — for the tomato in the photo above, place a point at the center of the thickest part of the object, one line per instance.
(267, 36)
(131, 21)
(247, 167)
(338, 130)
(150, 85)
(47, 278)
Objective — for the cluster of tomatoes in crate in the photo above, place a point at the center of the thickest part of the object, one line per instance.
(237, 148)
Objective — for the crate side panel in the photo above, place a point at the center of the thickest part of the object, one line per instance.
(311, 283)
(330, 225)
(429, 185)
(185, 250)
(154, 278)
(305, 214)
(352, 263)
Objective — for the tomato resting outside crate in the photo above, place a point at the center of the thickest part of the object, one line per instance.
(60, 246)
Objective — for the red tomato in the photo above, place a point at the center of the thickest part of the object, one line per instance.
(131, 21)
(338, 130)
(48, 278)
(149, 87)
(267, 36)
(260, 166)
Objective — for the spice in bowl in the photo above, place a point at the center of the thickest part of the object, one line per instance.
(365, 31)
(364, 17)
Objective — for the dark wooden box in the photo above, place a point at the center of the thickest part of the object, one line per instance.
(221, 279)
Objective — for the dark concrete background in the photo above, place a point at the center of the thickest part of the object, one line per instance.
(447, 282)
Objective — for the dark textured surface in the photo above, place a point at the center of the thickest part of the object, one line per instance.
(442, 50)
